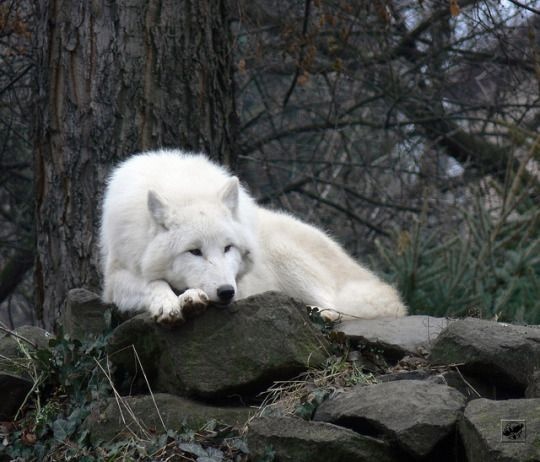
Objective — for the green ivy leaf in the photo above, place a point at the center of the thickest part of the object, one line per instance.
(60, 430)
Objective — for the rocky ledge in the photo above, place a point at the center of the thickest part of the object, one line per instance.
(434, 389)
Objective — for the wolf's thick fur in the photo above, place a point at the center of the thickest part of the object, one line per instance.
(176, 223)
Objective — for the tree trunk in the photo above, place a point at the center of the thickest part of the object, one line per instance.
(116, 78)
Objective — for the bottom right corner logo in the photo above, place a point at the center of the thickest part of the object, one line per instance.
(513, 431)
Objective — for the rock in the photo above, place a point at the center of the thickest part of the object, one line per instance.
(297, 440)
(237, 350)
(533, 385)
(416, 415)
(85, 314)
(10, 345)
(468, 387)
(420, 374)
(450, 378)
(140, 414)
(503, 354)
(16, 347)
(508, 431)
(396, 336)
(15, 382)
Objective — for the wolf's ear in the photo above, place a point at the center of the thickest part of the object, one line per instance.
(229, 194)
(158, 209)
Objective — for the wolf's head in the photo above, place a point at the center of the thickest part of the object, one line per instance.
(201, 243)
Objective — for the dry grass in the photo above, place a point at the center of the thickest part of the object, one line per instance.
(302, 394)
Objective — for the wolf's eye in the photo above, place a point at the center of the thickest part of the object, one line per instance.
(227, 248)
(196, 252)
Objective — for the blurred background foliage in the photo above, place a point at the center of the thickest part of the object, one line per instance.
(487, 268)
(409, 131)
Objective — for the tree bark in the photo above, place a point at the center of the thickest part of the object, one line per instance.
(116, 78)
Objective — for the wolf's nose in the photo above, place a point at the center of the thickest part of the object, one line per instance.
(225, 293)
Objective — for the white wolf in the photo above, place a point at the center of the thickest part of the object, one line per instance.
(179, 231)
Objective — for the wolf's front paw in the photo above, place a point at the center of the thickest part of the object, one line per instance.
(193, 302)
(165, 308)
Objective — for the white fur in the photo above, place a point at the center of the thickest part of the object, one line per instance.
(161, 205)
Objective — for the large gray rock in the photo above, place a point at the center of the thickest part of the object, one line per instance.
(15, 361)
(297, 440)
(497, 431)
(84, 316)
(396, 336)
(451, 378)
(420, 374)
(416, 415)
(137, 414)
(226, 351)
(504, 354)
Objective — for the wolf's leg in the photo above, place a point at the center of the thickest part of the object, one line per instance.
(316, 295)
(352, 293)
(301, 277)
(370, 298)
(130, 292)
(313, 291)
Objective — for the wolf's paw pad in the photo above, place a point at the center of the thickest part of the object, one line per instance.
(166, 309)
(193, 302)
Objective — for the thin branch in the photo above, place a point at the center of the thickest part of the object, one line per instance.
(12, 333)
(521, 5)
(344, 210)
(301, 58)
(16, 79)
